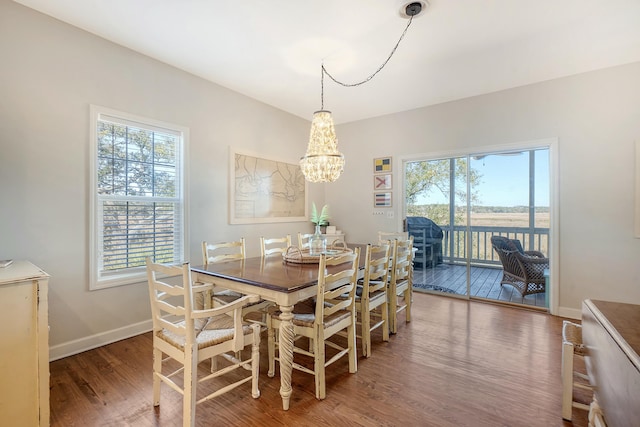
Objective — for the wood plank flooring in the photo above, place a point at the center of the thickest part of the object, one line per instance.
(485, 283)
(457, 363)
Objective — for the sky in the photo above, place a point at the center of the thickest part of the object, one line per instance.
(505, 180)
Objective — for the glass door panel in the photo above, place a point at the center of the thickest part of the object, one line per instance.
(435, 205)
(470, 199)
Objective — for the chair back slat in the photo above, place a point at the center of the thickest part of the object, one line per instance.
(401, 263)
(224, 251)
(327, 288)
(384, 236)
(376, 269)
(303, 240)
(275, 245)
(168, 299)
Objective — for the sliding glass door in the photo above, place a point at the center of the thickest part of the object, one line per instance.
(470, 199)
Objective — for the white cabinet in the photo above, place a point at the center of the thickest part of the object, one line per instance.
(24, 345)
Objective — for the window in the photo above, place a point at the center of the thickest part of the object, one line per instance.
(138, 192)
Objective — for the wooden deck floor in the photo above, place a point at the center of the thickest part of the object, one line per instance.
(485, 283)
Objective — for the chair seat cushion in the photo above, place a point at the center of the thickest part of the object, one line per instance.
(215, 330)
(304, 315)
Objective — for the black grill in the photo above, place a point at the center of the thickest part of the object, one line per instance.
(427, 239)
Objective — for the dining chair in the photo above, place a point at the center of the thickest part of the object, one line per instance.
(223, 251)
(189, 336)
(572, 346)
(371, 296)
(213, 253)
(274, 246)
(384, 236)
(400, 282)
(372, 303)
(320, 321)
(304, 240)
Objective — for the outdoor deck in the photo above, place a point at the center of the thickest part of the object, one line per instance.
(485, 283)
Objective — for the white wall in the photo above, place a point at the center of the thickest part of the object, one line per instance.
(596, 118)
(50, 74)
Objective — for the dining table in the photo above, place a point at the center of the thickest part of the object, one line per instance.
(277, 280)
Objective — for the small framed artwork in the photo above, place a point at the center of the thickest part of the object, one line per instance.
(382, 165)
(382, 182)
(382, 199)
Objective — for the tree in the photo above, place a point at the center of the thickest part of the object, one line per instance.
(425, 177)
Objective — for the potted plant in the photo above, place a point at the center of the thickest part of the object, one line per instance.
(320, 219)
(317, 242)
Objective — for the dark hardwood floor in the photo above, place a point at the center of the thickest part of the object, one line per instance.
(485, 283)
(458, 363)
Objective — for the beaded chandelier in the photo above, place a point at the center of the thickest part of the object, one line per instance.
(322, 161)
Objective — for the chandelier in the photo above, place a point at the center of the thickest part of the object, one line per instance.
(322, 161)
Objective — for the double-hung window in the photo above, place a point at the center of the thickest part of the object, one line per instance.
(138, 192)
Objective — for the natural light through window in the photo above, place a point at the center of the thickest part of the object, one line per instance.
(138, 192)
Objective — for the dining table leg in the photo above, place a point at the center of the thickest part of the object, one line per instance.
(286, 354)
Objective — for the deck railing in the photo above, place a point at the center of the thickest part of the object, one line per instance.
(455, 249)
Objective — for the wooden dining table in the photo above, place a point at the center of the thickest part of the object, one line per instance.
(272, 279)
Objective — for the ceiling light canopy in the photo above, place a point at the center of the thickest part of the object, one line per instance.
(322, 161)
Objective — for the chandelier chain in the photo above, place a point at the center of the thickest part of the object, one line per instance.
(324, 70)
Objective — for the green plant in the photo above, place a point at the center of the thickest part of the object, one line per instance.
(323, 218)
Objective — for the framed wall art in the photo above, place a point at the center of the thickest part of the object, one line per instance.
(382, 165)
(382, 182)
(263, 190)
(382, 199)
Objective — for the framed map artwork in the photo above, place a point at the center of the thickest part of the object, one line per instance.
(264, 190)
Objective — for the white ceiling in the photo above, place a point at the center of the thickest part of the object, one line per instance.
(272, 50)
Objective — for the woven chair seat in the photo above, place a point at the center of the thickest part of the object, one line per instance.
(304, 315)
(214, 330)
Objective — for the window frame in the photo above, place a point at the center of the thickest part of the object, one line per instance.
(98, 279)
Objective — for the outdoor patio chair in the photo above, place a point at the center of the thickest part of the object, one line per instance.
(524, 270)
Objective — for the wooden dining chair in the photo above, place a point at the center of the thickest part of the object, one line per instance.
(371, 296)
(319, 322)
(303, 240)
(223, 251)
(213, 253)
(400, 282)
(572, 346)
(372, 303)
(189, 336)
(274, 246)
(384, 236)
